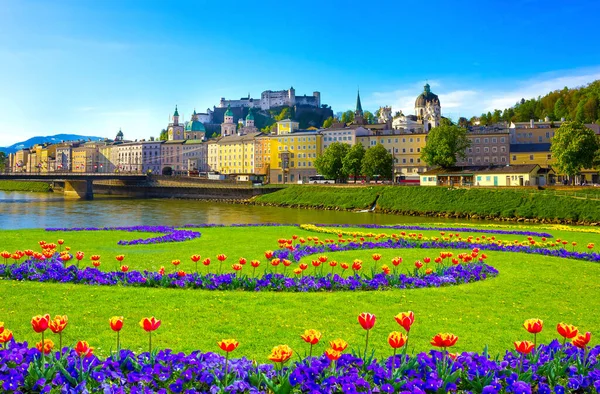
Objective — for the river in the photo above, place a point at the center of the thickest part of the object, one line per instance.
(39, 210)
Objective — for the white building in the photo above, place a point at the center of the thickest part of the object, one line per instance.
(195, 156)
(270, 99)
(345, 135)
(138, 156)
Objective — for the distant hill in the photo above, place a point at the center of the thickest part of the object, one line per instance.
(54, 139)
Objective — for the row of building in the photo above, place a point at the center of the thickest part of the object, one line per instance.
(287, 155)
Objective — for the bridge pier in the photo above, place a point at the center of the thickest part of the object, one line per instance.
(83, 190)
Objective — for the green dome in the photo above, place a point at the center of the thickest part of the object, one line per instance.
(250, 116)
(229, 112)
(194, 125)
(176, 112)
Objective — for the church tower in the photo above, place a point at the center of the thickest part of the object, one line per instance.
(175, 130)
(428, 109)
(228, 127)
(358, 113)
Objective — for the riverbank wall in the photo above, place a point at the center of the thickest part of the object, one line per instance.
(518, 205)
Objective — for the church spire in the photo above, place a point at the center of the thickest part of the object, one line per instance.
(358, 104)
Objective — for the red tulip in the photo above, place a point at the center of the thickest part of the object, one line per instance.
(344, 266)
(524, 347)
(418, 264)
(444, 340)
(397, 339)
(45, 347)
(255, 263)
(181, 274)
(40, 323)
(269, 254)
(95, 257)
(79, 256)
(61, 241)
(376, 257)
(566, 331)
(228, 345)
(83, 349)
(237, 267)
(116, 323)
(332, 354)
(427, 260)
(195, 258)
(322, 259)
(242, 261)
(96, 263)
(357, 265)
(161, 270)
(534, 326)
(176, 262)
(581, 341)
(150, 324)
(405, 319)
(366, 320)
(206, 262)
(221, 257)
(120, 257)
(124, 268)
(58, 324)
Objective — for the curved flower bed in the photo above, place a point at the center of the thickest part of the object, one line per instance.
(302, 251)
(554, 369)
(171, 233)
(55, 271)
(428, 228)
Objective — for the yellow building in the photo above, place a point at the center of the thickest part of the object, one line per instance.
(531, 154)
(20, 160)
(262, 154)
(236, 154)
(213, 154)
(293, 156)
(86, 158)
(287, 126)
(533, 132)
(48, 159)
(405, 148)
(495, 176)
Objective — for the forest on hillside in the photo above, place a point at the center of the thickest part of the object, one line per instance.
(581, 104)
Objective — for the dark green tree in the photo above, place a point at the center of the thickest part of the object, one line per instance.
(164, 135)
(574, 147)
(378, 162)
(444, 144)
(352, 162)
(368, 116)
(496, 116)
(3, 159)
(560, 109)
(463, 122)
(330, 163)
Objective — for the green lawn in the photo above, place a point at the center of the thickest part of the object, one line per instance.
(486, 313)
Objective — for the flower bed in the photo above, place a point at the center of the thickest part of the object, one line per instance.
(54, 270)
(554, 369)
(171, 233)
(302, 251)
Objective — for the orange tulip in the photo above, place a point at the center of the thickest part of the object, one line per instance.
(581, 341)
(322, 259)
(58, 324)
(524, 347)
(150, 324)
(281, 354)
(338, 345)
(275, 262)
(40, 323)
(297, 271)
(366, 320)
(444, 340)
(96, 263)
(237, 267)
(161, 270)
(428, 271)
(397, 339)
(311, 336)
(303, 266)
(534, 326)
(6, 336)
(60, 241)
(228, 345)
(386, 270)
(332, 354)
(566, 331)
(176, 262)
(83, 349)
(116, 323)
(376, 256)
(45, 347)
(405, 319)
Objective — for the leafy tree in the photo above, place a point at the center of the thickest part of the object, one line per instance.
(378, 113)
(330, 163)
(378, 162)
(348, 117)
(560, 109)
(368, 116)
(574, 147)
(3, 159)
(590, 110)
(352, 162)
(286, 113)
(496, 116)
(444, 143)
(164, 135)
(483, 120)
(327, 123)
(463, 122)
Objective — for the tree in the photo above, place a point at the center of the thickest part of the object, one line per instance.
(352, 162)
(330, 164)
(483, 120)
(3, 159)
(368, 116)
(463, 122)
(164, 135)
(574, 147)
(496, 116)
(286, 113)
(348, 117)
(560, 109)
(444, 143)
(378, 162)
(327, 123)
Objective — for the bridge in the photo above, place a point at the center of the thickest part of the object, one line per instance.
(77, 184)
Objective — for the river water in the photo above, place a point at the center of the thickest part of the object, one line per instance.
(38, 210)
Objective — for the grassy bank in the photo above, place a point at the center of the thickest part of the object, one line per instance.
(25, 186)
(490, 312)
(497, 203)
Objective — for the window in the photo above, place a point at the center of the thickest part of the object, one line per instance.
(549, 157)
(486, 149)
(530, 157)
(494, 140)
(411, 160)
(477, 150)
(488, 178)
(502, 139)
(477, 140)
(540, 138)
(494, 149)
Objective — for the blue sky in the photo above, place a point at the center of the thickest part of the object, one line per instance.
(90, 67)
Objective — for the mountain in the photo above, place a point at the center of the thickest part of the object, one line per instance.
(54, 139)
